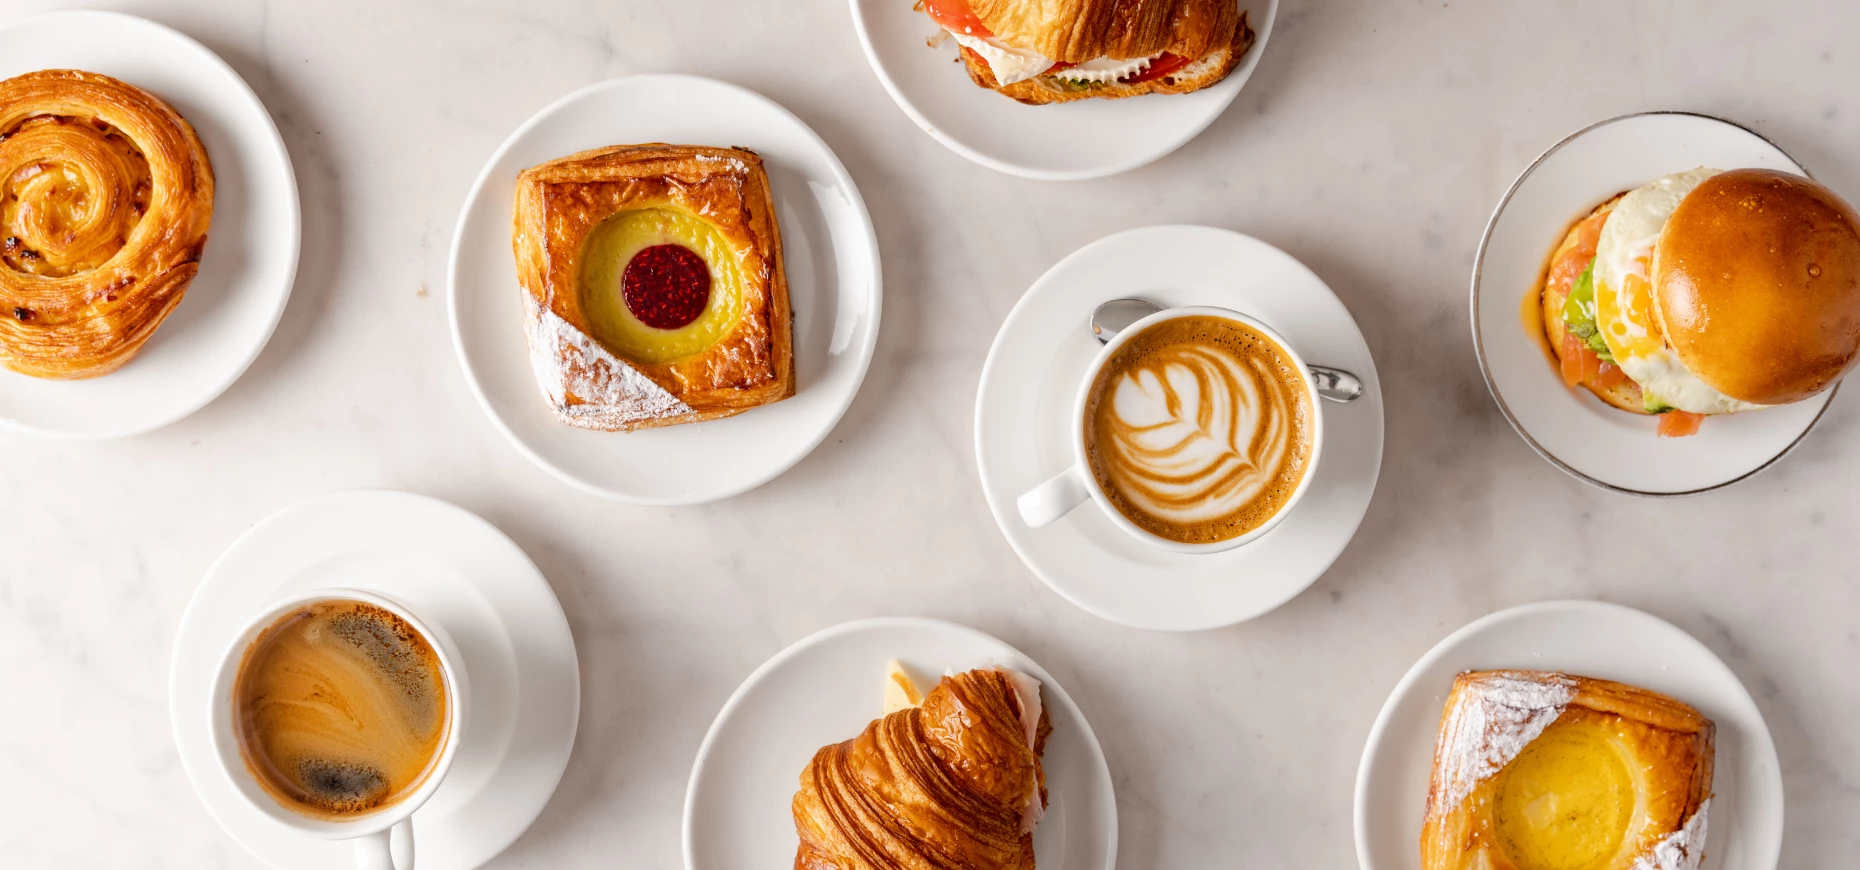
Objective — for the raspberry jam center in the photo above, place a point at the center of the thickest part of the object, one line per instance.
(666, 286)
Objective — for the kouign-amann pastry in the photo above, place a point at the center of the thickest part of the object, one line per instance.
(1536, 770)
(653, 285)
(105, 199)
(953, 783)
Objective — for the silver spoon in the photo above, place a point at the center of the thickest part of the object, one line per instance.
(1116, 315)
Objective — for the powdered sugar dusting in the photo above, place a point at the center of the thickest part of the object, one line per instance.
(610, 392)
(1502, 715)
(1682, 849)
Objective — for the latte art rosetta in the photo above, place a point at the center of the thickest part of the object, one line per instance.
(1199, 429)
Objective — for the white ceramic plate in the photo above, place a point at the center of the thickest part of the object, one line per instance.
(452, 568)
(825, 689)
(251, 259)
(1591, 639)
(1081, 139)
(1574, 430)
(830, 253)
(1024, 407)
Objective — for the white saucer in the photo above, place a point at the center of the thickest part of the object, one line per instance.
(825, 689)
(245, 277)
(1082, 139)
(1574, 430)
(830, 253)
(1032, 375)
(454, 569)
(1591, 639)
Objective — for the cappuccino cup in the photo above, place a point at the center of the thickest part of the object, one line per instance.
(1195, 429)
(337, 714)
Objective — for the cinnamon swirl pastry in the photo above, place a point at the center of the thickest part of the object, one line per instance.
(952, 784)
(105, 199)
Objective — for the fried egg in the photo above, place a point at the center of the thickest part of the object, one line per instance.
(1626, 310)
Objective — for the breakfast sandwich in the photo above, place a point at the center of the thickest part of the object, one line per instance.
(1056, 51)
(1707, 292)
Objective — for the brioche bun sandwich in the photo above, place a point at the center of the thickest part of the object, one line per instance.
(1056, 51)
(1707, 292)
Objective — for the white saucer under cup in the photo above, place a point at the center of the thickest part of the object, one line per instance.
(1572, 429)
(455, 570)
(1590, 639)
(1032, 375)
(1076, 140)
(825, 689)
(233, 304)
(829, 251)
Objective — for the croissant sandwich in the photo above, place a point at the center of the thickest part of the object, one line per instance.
(1056, 51)
(952, 784)
(1537, 770)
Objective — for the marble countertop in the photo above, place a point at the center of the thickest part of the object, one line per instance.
(1371, 144)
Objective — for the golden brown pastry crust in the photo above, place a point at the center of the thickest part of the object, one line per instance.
(1080, 30)
(941, 786)
(106, 195)
(1213, 66)
(1668, 744)
(560, 202)
(1554, 291)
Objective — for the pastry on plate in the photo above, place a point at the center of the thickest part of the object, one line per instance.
(1537, 770)
(1706, 292)
(1056, 51)
(105, 199)
(653, 286)
(952, 780)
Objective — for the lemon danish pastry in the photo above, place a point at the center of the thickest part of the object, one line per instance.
(1537, 770)
(653, 285)
(105, 199)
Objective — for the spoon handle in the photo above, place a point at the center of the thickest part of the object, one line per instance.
(1336, 385)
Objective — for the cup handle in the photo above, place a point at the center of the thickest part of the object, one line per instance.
(391, 849)
(1055, 498)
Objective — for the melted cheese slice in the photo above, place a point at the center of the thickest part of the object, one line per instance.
(1009, 64)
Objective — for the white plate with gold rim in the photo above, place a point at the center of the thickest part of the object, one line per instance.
(829, 250)
(1590, 639)
(245, 278)
(1575, 431)
(1024, 405)
(1067, 141)
(824, 689)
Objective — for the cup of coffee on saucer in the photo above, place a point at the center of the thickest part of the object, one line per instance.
(337, 714)
(1196, 429)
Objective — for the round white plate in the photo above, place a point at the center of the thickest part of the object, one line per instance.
(1066, 141)
(829, 251)
(452, 568)
(1590, 639)
(1023, 412)
(825, 689)
(251, 259)
(1574, 430)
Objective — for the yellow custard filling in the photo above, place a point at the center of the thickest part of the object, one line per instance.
(1565, 802)
(613, 244)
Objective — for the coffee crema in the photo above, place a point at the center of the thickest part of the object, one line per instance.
(1199, 429)
(341, 709)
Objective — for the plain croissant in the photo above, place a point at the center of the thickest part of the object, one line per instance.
(953, 783)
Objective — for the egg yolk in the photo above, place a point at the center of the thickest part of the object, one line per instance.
(1632, 329)
(1565, 802)
(614, 245)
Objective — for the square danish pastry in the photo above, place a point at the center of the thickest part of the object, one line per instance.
(653, 285)
(1536, 770)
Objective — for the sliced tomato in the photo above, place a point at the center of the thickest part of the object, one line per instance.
(1057, 66)
(1160, 67)
(1679, 424)
(1610, 377)
(955, 16)
(1579, 363)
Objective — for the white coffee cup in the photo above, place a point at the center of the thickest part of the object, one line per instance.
(384, 838)
(1074, 486)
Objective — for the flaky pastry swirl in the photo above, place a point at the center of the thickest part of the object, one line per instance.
(105, 199)
(948, 785)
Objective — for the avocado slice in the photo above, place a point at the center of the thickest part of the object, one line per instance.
(1579, 313)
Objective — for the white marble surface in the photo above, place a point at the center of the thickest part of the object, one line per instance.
(1372, 144)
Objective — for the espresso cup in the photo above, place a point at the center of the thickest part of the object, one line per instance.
(383, 837)
(1068, 489)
